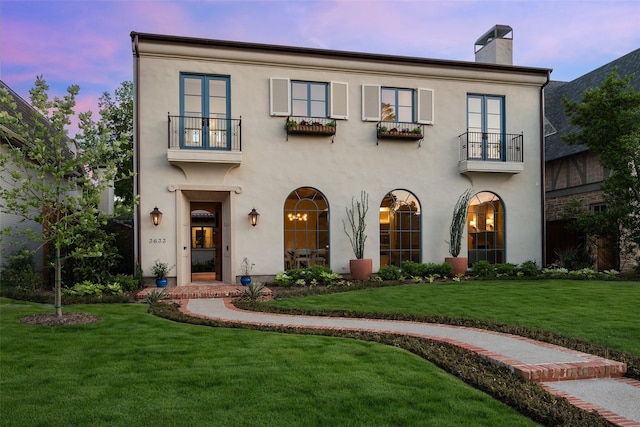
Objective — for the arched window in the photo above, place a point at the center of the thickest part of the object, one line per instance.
(306, 229)
(399, 228)
(485, 222)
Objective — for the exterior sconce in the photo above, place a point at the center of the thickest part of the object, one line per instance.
(156, 216)
(253, 217)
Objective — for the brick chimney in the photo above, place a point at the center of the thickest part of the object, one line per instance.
(496, 46)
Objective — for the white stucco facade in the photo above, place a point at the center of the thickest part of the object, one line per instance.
(270, 164)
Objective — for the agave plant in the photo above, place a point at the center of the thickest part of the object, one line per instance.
(253, 291)
(155, 296)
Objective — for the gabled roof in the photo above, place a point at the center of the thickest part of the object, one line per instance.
(557, 122)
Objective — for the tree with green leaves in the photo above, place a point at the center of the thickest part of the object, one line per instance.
(49, 179)
(608, 118)
(116, 125)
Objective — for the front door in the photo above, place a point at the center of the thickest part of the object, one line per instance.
(206, 241)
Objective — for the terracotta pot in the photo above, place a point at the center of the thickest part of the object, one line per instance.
(360, 269)
(459, 264)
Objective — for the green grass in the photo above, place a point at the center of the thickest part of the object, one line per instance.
(134, 369)
(605, 313)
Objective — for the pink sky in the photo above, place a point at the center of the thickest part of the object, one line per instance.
(87, 42)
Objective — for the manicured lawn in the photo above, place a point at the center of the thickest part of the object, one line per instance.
(134, 369)
(606, 313)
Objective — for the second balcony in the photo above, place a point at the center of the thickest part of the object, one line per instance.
(204, 140)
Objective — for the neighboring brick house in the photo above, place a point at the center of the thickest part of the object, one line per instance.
(572, 171)
(223, 129)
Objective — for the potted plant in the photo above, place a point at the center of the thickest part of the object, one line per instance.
(246, 268)
(160, 271)
(456, 231)
(360, 267)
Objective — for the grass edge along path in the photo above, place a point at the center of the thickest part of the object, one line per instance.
(133, 368)
(632, 361)
(528, 398)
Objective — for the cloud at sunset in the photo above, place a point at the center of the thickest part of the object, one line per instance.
(88, 43)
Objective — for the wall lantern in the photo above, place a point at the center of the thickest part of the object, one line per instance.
(156, 216)
(253, 217)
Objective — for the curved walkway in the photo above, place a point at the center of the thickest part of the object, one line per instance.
(587, 381)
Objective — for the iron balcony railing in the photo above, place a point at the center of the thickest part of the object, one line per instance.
(496, 147)
(204, 133)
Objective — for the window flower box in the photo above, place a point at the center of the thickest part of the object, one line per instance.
(395, 134)
(400, 131)
(307, 127)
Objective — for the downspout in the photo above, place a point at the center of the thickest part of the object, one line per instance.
(543, 185)
(136, 147)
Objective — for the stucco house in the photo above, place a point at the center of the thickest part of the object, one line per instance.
(253, 151)
(575, 173)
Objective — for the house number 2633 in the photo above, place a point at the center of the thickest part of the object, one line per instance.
(158, 241)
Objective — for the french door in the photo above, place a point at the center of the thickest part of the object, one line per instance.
(204, 111)
(485, 126)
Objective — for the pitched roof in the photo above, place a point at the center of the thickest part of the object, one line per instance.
(29, 114)
(556, 120)
(22, 107)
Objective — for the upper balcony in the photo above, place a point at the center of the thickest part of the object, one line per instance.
(204, 140)
(491, 152)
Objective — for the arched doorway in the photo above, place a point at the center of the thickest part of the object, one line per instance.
(306, 229)
(486, 227)
(400, 228)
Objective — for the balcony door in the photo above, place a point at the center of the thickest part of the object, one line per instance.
(204, 111)
(485, 125)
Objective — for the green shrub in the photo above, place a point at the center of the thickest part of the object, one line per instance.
(19, 272)
(441, 270)
(126, 282)
(413, 269)
(506, 270)
(483, 269)
(85, 288)
(583, 273)
(529, 269)
(311, 276)
(89, 289)
(390, 272)
(554, 273)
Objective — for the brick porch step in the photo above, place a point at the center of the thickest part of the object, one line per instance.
(596, 368)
